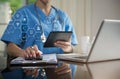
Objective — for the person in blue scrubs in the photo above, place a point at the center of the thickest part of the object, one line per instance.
(28, 30)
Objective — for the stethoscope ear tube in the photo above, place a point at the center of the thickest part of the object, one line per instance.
(43, 37)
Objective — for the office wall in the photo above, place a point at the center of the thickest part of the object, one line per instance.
(4, 19)
(87, 15)
(103, 9)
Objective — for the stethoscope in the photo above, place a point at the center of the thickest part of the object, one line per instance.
(43, 37)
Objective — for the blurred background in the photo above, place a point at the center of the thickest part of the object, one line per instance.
(86, 16)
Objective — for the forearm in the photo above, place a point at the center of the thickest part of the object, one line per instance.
(13, 50)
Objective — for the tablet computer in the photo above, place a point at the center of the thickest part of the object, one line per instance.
(57, 36)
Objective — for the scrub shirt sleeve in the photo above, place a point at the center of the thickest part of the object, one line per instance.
(69, 27)
(13, 31)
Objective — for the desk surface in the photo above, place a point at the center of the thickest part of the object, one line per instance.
(101, 70)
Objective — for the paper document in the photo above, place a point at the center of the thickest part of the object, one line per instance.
(47, 59)
(50, 58)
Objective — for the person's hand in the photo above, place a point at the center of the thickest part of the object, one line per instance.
(32, 72)
(32, 52)
(64, 45)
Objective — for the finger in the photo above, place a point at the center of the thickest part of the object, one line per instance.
(63, 43)
(35, 47)
(28, 51)
(37, 51)
(33, 52)
(58, 44)
(24, 54)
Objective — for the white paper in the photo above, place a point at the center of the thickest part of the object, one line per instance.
(19, 60)
(50, 58)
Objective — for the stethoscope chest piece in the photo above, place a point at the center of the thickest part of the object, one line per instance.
(43, 38)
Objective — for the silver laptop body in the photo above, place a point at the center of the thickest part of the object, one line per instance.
(105, 47)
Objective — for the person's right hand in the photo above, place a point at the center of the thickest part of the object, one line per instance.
(32, 52)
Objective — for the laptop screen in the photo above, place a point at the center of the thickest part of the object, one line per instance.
(106, 45)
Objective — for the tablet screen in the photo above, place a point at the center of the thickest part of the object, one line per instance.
(57, 36)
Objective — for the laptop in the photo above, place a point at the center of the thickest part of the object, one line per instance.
(105, 47)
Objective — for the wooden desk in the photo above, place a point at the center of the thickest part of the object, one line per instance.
(101, 70)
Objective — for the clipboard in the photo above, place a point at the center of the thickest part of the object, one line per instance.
(57, 36)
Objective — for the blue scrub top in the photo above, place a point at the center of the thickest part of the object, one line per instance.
(24, 29)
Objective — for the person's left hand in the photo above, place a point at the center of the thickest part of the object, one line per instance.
(65, 45)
